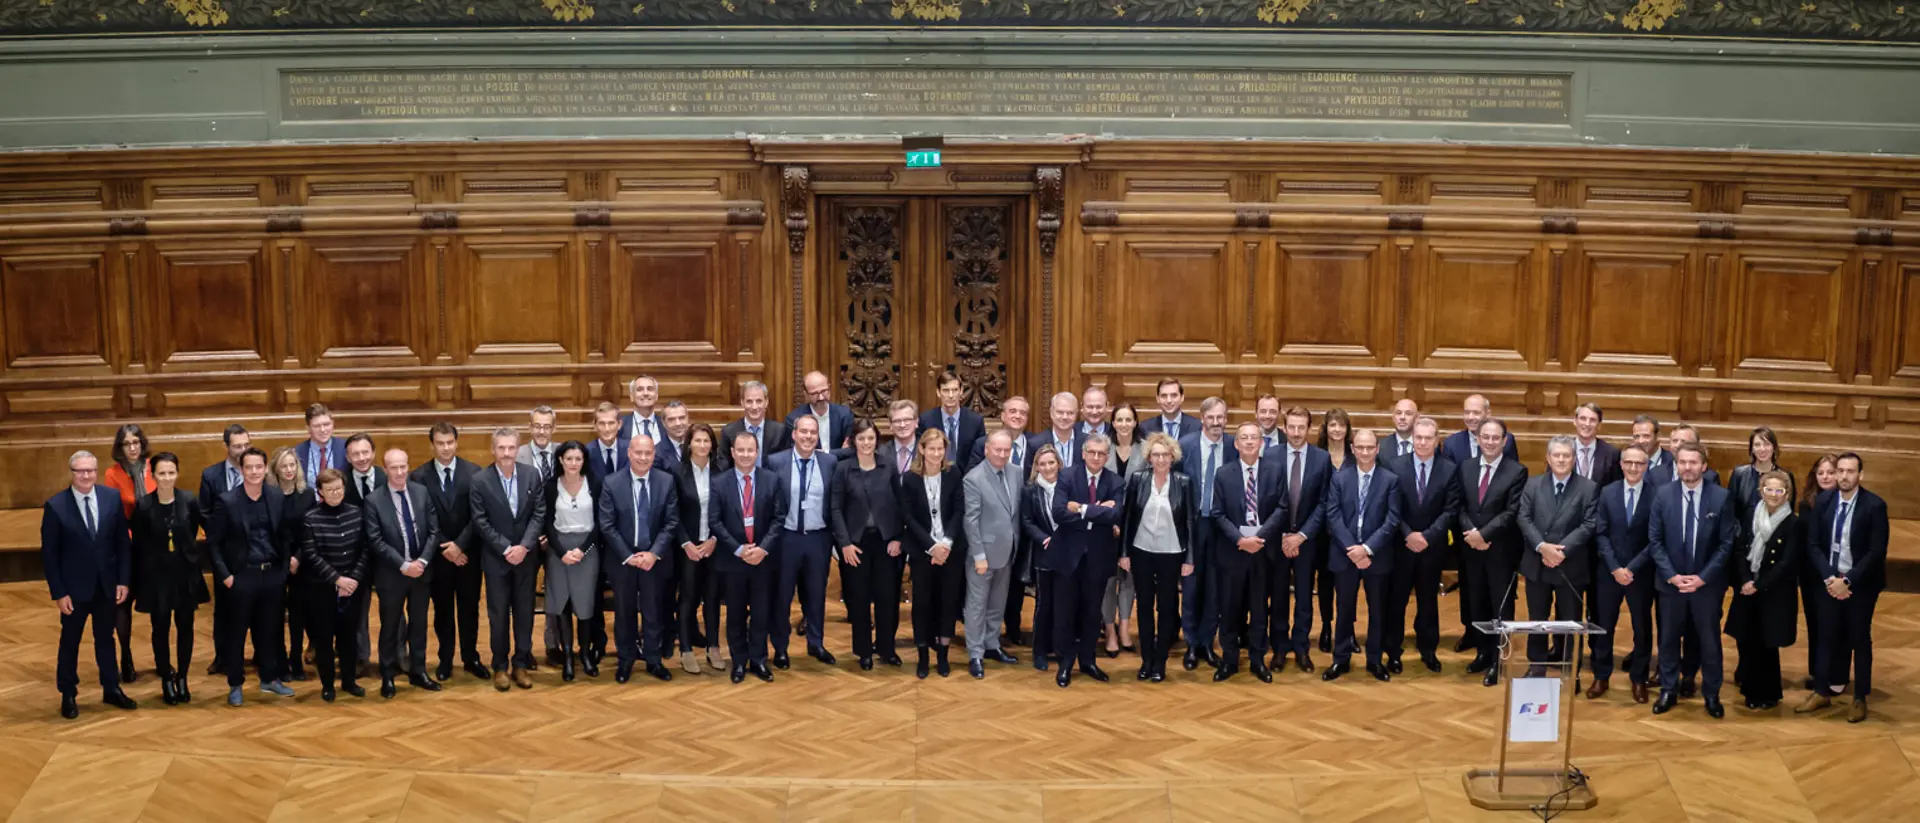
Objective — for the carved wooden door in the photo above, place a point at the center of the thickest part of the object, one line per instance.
(917, 286)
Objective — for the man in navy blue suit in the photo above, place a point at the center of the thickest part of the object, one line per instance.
(639, 527)
(748, 502)
(1690, 536)
(805, 473)
(836, 421)
(321, 450)
(1363, 517)
(1246, 528)
(644, 391)
(88, 560)
(1848, 550)
(963, 426)
(1171, 421)
(1088, 512)
(1306, 470)
(1429, 501)
(1202, 452)
(607, 451)
(1626, 574)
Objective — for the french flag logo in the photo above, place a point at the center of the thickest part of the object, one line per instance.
(1533, 708)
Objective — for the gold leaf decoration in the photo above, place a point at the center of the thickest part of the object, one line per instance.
(1281, 11)
(926, 9)
(200, 12)
(570, 11)
(1651, 15)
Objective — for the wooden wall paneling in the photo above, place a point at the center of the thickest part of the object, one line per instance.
(385, 189)
(1788, 313)
(57, 317)
(666, 298)
(1331, 296)
(1174, 297)
(207, 193)
(1904, 273)
(369, 303)
(1624, 311)
(521, 307)
(1480, 302)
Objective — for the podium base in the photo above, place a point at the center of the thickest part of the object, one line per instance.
(1525, 789)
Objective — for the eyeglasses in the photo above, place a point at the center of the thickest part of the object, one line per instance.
(1633, 462)
(1773, 491)
(85, 471)
(1096, 452)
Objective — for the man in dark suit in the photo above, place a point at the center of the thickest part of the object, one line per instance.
(607, 452)
(363, 477)
(747, 503)
(963, 426)
(666, 453)
(1084, 554)
(1169, 394)
(644, 391)
(1247, 531)
(1849, 553)
(1690, 536)
(88, 560)
(1405, 414)
(1557, 527)
(836, 421)
(639, 513)
(1062, 435)
(1463, 447)
(903, 422)
(1306, 470)
(1490, 489)
(217, 480)
(252, 556)
(1429, 501)
(1203, 451)
(321, 450)
(538, 451)
(402, 527)
(1094, 406)
(806, 545)
(1620, 530)
(1593, 458)
(1014, 412)
(454, 575)
(1363, 517)
(1266, 414)
(1663, 470)
(509, 509)
(769, 435)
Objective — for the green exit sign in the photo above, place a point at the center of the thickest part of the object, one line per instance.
(923, 159)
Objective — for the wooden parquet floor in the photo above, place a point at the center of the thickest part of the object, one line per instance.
(840, 744)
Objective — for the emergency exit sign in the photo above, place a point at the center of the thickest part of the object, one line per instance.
(923, 158)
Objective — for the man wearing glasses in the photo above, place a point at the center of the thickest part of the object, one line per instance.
(88, 558)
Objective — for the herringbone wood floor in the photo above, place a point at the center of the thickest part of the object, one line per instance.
(824, 744)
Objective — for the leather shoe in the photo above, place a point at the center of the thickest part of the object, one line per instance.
(1463, 646)
(1221, 674)
(1334, 671)
(821, 654)
(1665, 702)
(1094, 672)
(1146, 671)
(1065, 677)
(386, 687)
(659, 672)
(1640, 693)
(119, 700)
(1158, 676)
(1380, 673)
(1302, 662)
(502, 681)
(977, 668)
(1479, 664)
(866, 662)
(555, 658)
(590, 665)
(1492, 679)
(479, 670)
(1393, 666)
(1815, 702)
(1687, 688)
(521, 678)
(1858, 712)
(1191, 661)
(1001, 656)
(422, 683)
(623, 672)
(353, 689)
(1714, 709)
(326, 693)
(892, 659)
(1598, 689)
(1260, 670)
(1326, 638)
(781, 661)
(69, 708)
(1209, 656)
(444, 672)
(738, 674)
(1432, 662)
(760, 670)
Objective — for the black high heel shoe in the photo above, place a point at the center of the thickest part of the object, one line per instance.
(940, 661)
(920, 669)
(566, 667)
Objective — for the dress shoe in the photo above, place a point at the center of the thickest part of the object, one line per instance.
(425, 684)
(1714, 709)
(233, 697)
(1209, 656)
(276, 687)
(920, 668)
(1380, 673)
(567, 669)
(1665, 702)
(738, 673)
(1065, 677)
(444, 672)
(1158, 676)
(1334, 671)
(940, 666)
(1113, 652)
(977, 668)
(326, 693)
(1463, 646)
(386, 688)
(1303, 662)
(760, 670)
(1326, 639)
(1536, 671)
(478, 670)
(689, 662)
(1094, 672)
(353, 689)
(659, 672)
(623, 672)
(522, 677)
(1001, 656)
(1640, 693)
(1687, 688)
(1598, 689)
(1191, 661)
(1492, 678)
(892, 659)
(1765, 705)
(866, 662)
(69, 708)
(1260, 670)
(502, 681)
(554, 657)
(298, 674)
(1857, 712)
(591, 666)
(181, 693)
(781, 661)
(1221, 674)
(1393, 666)
(1815, 702)
(821, 654)
(127, 672)
(1431, 661)
(1146, 671)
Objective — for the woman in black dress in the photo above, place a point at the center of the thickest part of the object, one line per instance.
(1763, 454)
(699, 616)
(1766, 560)
(170, 586)
(1820, 480)
(865, 517)
(931, 503)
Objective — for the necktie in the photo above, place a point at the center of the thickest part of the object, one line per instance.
(609, 452)
(641, 512)
(233, 477)
(1420, 490)
(366, 487)
(406, 524)
(1559, 491)
(905, 457)
(1687, 522)
(1360, 522)
(1206, 478)
(800, 508)
(1093, 483)
(746, 502)
(755, 430)
(446, 480)
(546, 463)
(513, 500)
(953, 430)
(1019, 453)
(1630, 496)
(1486, 476)
(86, 510)
(1173, 429)
(1250, 493)
(1586, 462)
(326, 456)
(1839, 531)
(1005, 487)
(1066, 453)
(1294, 469)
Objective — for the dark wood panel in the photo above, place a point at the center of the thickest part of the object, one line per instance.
(1477, 302)
(1907, 276)
(1327, 298)
(367, 301)
(519, 297)
(672, 291)
(1632, 306)
(1173, 298)
(1787, 315)
(56, 309)
(213, 305)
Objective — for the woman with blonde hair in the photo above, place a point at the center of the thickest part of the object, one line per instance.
(285, 473)
(931, 506)
(1157, 539)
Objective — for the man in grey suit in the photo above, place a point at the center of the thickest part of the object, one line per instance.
(509, 507)
(992, 492)
(538, 453)
(403, 535)
(1559, 513)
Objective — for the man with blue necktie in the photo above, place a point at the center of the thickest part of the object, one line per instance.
(644, 391)
(1690, 537)
(769, 435)
(806, 544)
(217, 480)
(1362, 517)
(509, 509)
(639, 514)
(1203, 450)
(88, 560)
(963, 426)
(1850, 524)
(1169, 394)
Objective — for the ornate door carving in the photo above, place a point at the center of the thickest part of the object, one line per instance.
(917, 286)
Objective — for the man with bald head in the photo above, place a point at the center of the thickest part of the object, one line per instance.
(992, 524)
(402, 526)
(836, 421)
(1405, 412)
(1463, 448)
(1094, 406)
(1062, 434)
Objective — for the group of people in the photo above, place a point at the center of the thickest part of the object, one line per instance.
(1172, 525)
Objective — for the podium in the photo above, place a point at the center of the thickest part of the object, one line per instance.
(1536, 726)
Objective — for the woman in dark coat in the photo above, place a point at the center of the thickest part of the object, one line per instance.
(864, 513)
(1763, 454)
(169, 586)
(935, 545)
(573, 557)
(1765, 607)
(1158, 540)
(1036, 523)
(1821, 478)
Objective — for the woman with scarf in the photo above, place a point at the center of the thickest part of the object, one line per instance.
(1765, 608)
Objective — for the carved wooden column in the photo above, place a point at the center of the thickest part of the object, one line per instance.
(795, 195)
(1050, 182)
